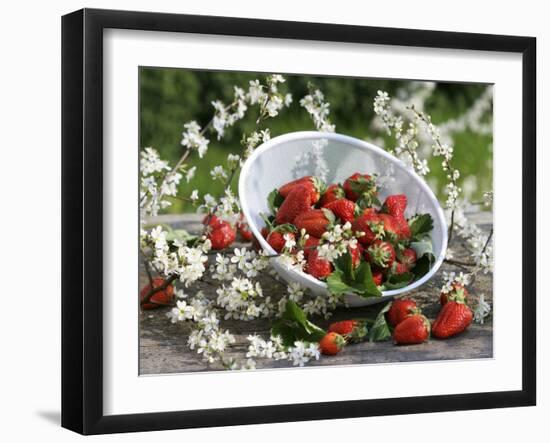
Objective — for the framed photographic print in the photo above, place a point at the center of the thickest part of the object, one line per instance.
(253, 209)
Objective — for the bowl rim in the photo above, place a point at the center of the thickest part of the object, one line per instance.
(346, 139)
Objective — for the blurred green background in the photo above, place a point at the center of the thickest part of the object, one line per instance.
(171, 97)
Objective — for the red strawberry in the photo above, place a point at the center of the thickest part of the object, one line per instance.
(404, 228)
(455, 316)
(212, 220)
(333, 193)
(352, 330)
(381, 253)
(311, 184)
(392, 228)
(370, 225)
(343, 327)
(377, 276)
(310, 244)
(159, 298)
(356, 254)
(297, 202)
(408, 258)
(222, 235)
(343, 209)
(314, 221)
(412, 331)
(399, 268)
(276, 237)
(395, 205)
(359, 186)
(400, 309)
(331, 343)
(316, 266)
(244, 230)
(458, 290)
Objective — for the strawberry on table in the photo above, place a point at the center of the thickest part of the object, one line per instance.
(317, 266)
(333, 193)
(244, 230)
(221, 234)
(331, 343)
(400, 309)
(455, 316)
(296, 202)
(381, 254)
(160, 298)
(352, 330)
(314, 221)
(414, 330)
(343, 209)
(457, 290)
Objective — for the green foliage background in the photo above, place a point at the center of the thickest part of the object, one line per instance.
(171, 97)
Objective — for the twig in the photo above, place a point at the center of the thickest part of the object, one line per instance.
(162, 287)
(459, 263)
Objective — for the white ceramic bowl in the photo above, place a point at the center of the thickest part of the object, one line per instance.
(334, 157)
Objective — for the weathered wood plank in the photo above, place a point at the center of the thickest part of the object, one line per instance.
(163, 347)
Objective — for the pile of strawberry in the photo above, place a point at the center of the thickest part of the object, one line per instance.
(387, 236)
(405, 318)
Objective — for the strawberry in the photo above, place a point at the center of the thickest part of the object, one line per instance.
(399, 268)
(212, 220)
(221, 234)
(377, 276)
(400, 309)
(381, 253)
(404, 230)
(316, 266)
(458, 290)
(314, 221)
(408, 258)
(310, 244)
(359, 186)
(244, 230)
(331, 343)
(395, 205)
(392, 229)
(356, 254)
(276, 237)
(352, 330)
(159, 298)
(455, 316)
(312, 186)
(414, 330)
(370, 225)
(296, 202)
(333, 193)
(343, 209)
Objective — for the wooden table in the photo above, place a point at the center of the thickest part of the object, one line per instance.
(163, 345)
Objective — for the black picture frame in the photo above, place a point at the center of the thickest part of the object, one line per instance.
(82, 219)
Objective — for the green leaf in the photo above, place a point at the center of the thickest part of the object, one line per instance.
(423, 265)
(345, 280)
(380, 330)
(345, 264)
(336, 284)
(363, 277)
(422, 247)
(180, 234)
(398, 281)
(420, 224)
(294, 326)
(274, 200)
